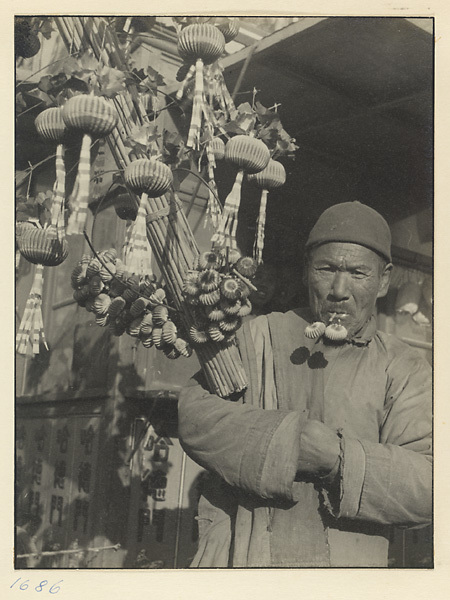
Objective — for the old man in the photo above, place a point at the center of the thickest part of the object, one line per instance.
(331, 443)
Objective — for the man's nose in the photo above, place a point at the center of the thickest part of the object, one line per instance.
(340, 288)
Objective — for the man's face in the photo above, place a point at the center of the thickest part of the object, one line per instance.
(346, 279)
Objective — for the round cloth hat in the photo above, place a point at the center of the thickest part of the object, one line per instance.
(355, 223)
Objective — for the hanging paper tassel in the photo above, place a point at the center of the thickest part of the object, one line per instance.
(136, 250)
(260, 227)
(31, 327)
(189, 76)
(96, 118)
(77, 219)
(213, 208)
(59, 192)
(226, 232)
(221, 91)
(198, 108)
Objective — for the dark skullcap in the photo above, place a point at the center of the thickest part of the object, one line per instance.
(355, 223)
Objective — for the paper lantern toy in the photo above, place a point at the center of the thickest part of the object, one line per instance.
(200, 44)
(95, 117)
(50, 126)
(229, 27)
(41, 247)
(148, 178)
(270, 178)
(249, 155)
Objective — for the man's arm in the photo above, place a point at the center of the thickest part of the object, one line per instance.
(254, 449)
(263, 451)
(391, 482)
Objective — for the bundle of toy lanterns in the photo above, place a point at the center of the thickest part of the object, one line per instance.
(217, 289)
(127, 303)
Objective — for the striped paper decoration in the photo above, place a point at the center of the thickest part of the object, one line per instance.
(258, 245)
(80, 195)
(137, 254)
(273, 176)
(31, 329)
(226, 231)
(247, 153)
(213, 208)
(59, 195)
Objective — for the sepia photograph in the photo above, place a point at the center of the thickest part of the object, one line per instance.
(224, 283)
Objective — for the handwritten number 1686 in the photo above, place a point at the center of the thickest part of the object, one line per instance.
(54, 589)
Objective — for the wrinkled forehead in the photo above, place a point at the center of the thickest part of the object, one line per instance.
(345, 255)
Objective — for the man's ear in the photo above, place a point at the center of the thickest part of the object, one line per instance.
(385, 279)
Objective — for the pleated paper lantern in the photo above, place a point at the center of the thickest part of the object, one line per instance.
(42, 248)
(147, 177)
(272, 177)
(95, 117)
(51, 127)
(217, 147)
(249, 155)
(229, 28)
(200, 44)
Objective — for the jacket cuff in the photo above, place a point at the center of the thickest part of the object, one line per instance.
(277, 455)
(353, 470)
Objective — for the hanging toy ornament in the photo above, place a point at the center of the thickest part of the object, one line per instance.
(218, 90)
(315, 330)
(247, 154)
(147, 177)
(50, 126)
(95, 117)
(336, 332)
(215, 150)
(202, 44)
(229, 27)
(273, 176)
(39, 246)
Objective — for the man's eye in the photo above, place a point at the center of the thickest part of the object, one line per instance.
(359, 274)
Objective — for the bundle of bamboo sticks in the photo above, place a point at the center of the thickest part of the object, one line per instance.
(168, 231)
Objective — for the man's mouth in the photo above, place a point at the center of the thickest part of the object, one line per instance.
(333, 315)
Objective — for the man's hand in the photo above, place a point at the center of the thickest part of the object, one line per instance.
(319, 448)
